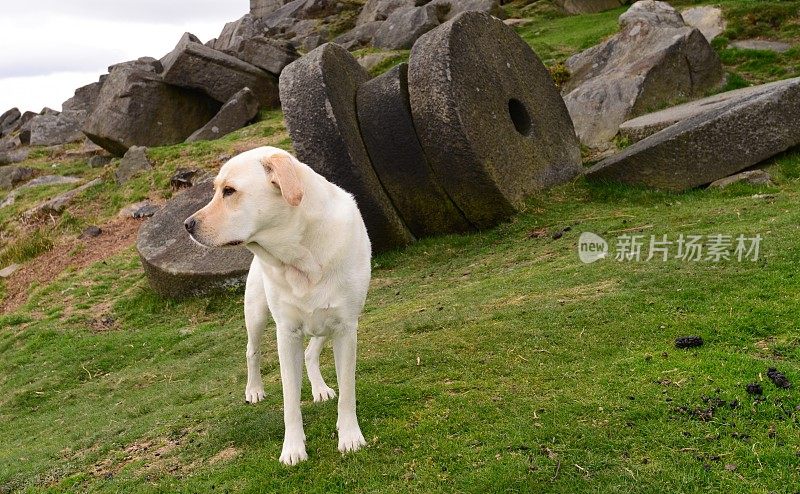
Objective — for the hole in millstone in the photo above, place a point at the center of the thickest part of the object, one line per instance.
(520, 117)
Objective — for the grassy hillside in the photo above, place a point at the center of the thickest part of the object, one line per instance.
(493, 362)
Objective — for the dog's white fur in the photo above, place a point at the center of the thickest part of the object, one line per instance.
(311, 271)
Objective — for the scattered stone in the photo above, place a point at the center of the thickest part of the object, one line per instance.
(267, 54)
(182, 178)
(219, 75)
(401, 29)
(752, 177)
(176, 266)
(240, 110)
(91, 232)
(134, 162)
(99, 161)
(709, 20)
(588, 6)
(318, 92)
(491, 121)
(14, 156)
(387, 128)
(57, 205)
(654, 59)
(51, 130)
(146, 211)
(135, 107)
(9, 120)
(129, 210)
(761, 45)
(706, 147)
(47, 180)
(688, 342)
(754, 389)
(11, 176)
(778, 378)
(8, 270)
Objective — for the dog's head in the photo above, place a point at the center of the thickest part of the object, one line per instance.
(253, 192)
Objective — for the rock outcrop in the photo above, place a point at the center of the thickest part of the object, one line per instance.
(237, 112)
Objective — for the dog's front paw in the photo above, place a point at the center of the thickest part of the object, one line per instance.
(293, 452)
(322, 393)
(351, 439)
(253, 394)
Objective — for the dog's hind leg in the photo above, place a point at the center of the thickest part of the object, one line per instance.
(255, 318)
(319, 390)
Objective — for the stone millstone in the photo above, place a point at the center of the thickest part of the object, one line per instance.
(710, 146)
(176, 266)
(492, 123)
(388, 130)
(318, 93)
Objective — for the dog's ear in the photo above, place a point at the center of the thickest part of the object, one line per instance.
(283, 173)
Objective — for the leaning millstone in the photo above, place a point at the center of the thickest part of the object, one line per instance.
(387, 127)
(641, 127)
(401, 29)
(136, 108)
(712, 145)
(194, 65)
(318, 93)
(489, 117)
(134, 162)
(235, 114)
(176, 266)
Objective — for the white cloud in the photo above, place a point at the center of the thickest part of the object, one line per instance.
(60, 46)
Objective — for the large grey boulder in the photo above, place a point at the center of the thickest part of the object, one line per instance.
(709, 20)
(8, 121)
(234, 32)
(267, 54)
(133, 163)
(380, 10)
(25, 127)
(489, 117)
(10, 156)
(260, 8)
(51, 130)
(360, 36)
(384, 113)
(219, 75)
(710, 145)
(404, 26)
(234, 114)
(176, 266)
(136, 107)
(588, 6)
(654, 59)
(641, 127)
(10, 176)
(318, 92)
(85, 98)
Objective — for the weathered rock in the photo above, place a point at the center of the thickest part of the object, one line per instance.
(10, 176)
(130, 210)
(384, 113)
(182, 178)
(85, 98)
(762, 45)
(219, 75)
(448, 9)
(146, 211)
(708, 146)
(51, 130)
(25, 127)
(403, 27)
(176, 266)
(8, 120)
(489, 117)
(641, 127)
(260, 8)
(361, 35)
(588, 6)
(709, 20)
(57, 204)
(267, 54)
(653, 60)
(13, 156)
(9, 142)
(752, 177)
(134, 162)
(9, 270)
(47, 180)
(318, 92)
(99, 161)
(237, 31)
(136, 108)
(235, 114)
(380, 10)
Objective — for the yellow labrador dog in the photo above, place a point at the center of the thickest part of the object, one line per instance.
(311, 271)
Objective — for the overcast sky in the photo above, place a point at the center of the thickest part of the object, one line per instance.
(48, 48)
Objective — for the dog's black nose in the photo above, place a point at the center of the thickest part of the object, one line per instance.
(189, 224)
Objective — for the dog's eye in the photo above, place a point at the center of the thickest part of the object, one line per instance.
(228, 191)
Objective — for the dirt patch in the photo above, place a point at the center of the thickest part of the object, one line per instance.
(117, 235)
(226, 454)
